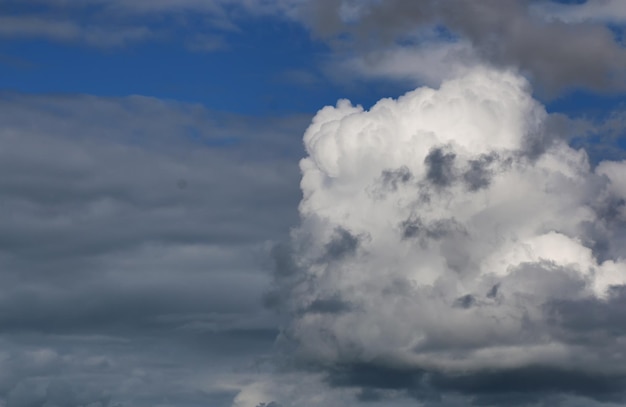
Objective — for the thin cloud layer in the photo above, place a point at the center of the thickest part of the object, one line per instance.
(118, 23)
(70, 31)
(448, 244)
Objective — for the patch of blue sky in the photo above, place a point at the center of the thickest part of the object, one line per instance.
(587, 103)
(245, 76)
(270, 67)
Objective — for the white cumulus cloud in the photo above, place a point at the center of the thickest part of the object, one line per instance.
(448, 232)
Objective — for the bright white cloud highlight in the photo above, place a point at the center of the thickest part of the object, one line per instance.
(437, 228)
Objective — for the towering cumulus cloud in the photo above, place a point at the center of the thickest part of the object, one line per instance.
(450, 242)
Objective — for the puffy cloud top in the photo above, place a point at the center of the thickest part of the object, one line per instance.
(447, 232)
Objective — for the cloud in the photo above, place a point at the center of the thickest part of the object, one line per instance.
(135, 238)
(115, 23)
(55, 394)
(502, 33)
(608, 11)
(445, 248)
(419, 42)
(429, 63)
(70, 31)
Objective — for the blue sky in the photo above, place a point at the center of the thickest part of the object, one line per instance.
(161, 240)
(262, 65)
(271, 66)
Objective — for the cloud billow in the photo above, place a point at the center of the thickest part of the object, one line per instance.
(465, 272)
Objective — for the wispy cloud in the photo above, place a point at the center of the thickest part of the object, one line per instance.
(71, 31)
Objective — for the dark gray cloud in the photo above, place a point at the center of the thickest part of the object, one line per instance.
(342, 244)
(369, 395)
(555, 54)
(270, 404)
(589, 322)
(329, 306)
(132, 243)
(478, 175)
(520, 386)
(393, 178)
(440, 167)
(375, 376)
(57, 394)
(590, 318)
(493, 291)
(437, 230)
(466, 301)
(285, 270)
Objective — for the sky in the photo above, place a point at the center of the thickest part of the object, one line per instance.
(301, 203)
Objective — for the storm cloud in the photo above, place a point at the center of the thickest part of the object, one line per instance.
(133, 238)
